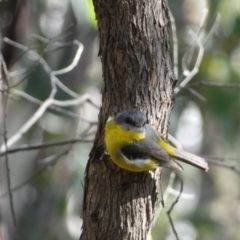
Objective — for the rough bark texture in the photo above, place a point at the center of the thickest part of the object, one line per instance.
(137, 72)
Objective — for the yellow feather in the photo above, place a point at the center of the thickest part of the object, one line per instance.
(117, 137)
(123, 138)
(168, 148)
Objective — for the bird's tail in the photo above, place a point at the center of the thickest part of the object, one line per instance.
(191, 159)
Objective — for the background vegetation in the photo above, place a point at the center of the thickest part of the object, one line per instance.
(205, 119)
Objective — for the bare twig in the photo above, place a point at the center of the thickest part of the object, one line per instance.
(221, 158)
(35, 55)
(52, 74)
(66, 89)
(28, 124)
(47, 42)
(171, 208)
(213, 28)
(175, 44)
(165, 195)
(169, 186)
(17, 72)
(54, 41)
(183, 195)
(52, 159)
(64, 33)
(196, 66)
(52, 107)
(78, 101)
(25, 52)
(196, 94)
(224, 165)
(4, 71)
(214, 84)
(50, 100)
(48, 103)
(208, 84)
(68, 68)
(44, 145)
(187, 58)
(74, 62)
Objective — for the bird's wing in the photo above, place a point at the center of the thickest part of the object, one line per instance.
(135, 151)
(145, 150)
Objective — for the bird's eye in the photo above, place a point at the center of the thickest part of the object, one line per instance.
(129, 121)
(135, 123)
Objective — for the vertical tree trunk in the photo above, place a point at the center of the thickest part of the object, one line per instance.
(137, 72)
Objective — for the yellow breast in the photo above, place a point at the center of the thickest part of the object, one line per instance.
(115, 139)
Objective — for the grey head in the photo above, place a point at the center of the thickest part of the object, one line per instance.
(133, 120)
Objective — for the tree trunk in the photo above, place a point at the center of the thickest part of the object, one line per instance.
(138, 74)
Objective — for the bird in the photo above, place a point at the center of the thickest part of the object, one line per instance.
(136, 146)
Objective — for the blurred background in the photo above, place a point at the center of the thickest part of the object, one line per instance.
(47, 183)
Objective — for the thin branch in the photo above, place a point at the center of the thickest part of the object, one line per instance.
(26, 96)
(169, 186)
(224, 165)
(52, 107)
(183, 195)
(221, 158)
(63, 34)
(165, 195)
(30, 122)
(74, 62)
(208, 84)
(28, 72)
(213, 28)
(52, 41)
(66, 89)
(78, 101)
(214, 84)
(52, 159)
(172, 207)
(43, 145)
(40, 60)
(43, 107)
(17, 72)
(196, 67)
(52, 74)
(187, 58)
(68, 68)
(175, 44)
(196, 94)
(4, 71)
(49, 101)
(25, 52)
(172, 177)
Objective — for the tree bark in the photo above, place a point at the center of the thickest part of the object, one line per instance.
(137, 72)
